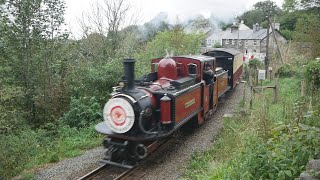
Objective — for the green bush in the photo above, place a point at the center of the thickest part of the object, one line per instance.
(282, 156)
(217, 45)
(31, 148)
(286, 70)
(83, 112)
(96, 80)
(312, 74)
(16, 151)
(255, 64)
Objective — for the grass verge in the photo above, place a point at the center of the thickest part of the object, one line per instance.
(273, 142)
(32, 148)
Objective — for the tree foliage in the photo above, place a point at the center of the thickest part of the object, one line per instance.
(252, 17)
(176, 41)
(268, 8)
(308, 31)
(259, 12)
(33, 43)
(300, 21)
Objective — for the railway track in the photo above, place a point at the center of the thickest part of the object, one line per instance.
(114, 171)
(108, 171)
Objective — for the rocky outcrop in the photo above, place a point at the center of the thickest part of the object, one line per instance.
(312, 170)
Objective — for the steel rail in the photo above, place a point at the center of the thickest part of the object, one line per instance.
(94, 172)
(125, 174)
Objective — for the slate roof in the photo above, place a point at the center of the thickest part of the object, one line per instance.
(242, 34)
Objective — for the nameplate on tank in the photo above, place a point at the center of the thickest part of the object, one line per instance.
(189, 103)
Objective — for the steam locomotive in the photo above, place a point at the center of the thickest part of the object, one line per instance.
(144, 111)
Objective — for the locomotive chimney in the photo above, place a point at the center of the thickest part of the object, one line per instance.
(128, 65)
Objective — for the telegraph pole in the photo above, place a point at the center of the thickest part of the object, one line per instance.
(266, 59)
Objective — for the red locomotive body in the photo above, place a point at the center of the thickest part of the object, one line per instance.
(153, 107)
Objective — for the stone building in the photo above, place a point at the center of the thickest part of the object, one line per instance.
(252, 42)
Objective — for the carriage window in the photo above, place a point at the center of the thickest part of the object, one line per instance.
(192, 69)
(155, 67)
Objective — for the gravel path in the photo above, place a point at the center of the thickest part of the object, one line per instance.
(168, 162)
(73, 167)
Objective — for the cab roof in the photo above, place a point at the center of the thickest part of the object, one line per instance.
(230, 51)
(201, 58)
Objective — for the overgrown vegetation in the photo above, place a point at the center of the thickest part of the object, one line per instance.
(52, 87)
(274, 142)
(30, 148)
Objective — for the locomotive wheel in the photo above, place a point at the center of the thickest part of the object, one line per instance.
(141, 151)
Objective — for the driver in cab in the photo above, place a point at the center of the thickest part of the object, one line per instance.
(208, 76)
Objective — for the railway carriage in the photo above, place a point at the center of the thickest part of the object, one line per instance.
(142, 112)
(228, 59)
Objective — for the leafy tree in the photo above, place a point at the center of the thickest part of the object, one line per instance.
(176, 41)
(307, 31)
(268, 8)
(312, 6)
(301, 22)
(252, 17)
(33, 41)
(259, 12)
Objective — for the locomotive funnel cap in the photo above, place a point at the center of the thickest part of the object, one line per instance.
(129, 60)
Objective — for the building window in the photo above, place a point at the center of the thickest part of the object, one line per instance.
(246, 43)
(239, 42)
(254, 50)
(233, 42)
(227, 41)
(254, 43)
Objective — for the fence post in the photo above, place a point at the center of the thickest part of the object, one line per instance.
(303, 88)
(244, 92)
(276, 90)
(251, 91)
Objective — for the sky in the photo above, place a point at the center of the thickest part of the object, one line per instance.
(183, 9)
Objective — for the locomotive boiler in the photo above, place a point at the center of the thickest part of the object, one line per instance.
(143, 111)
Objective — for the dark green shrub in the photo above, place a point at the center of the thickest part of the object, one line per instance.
(255, 64)
(83, 112)
(16, 150)
(96, 81)
(312, 74)
(286, 70)
(217, 45)
(283, 156)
